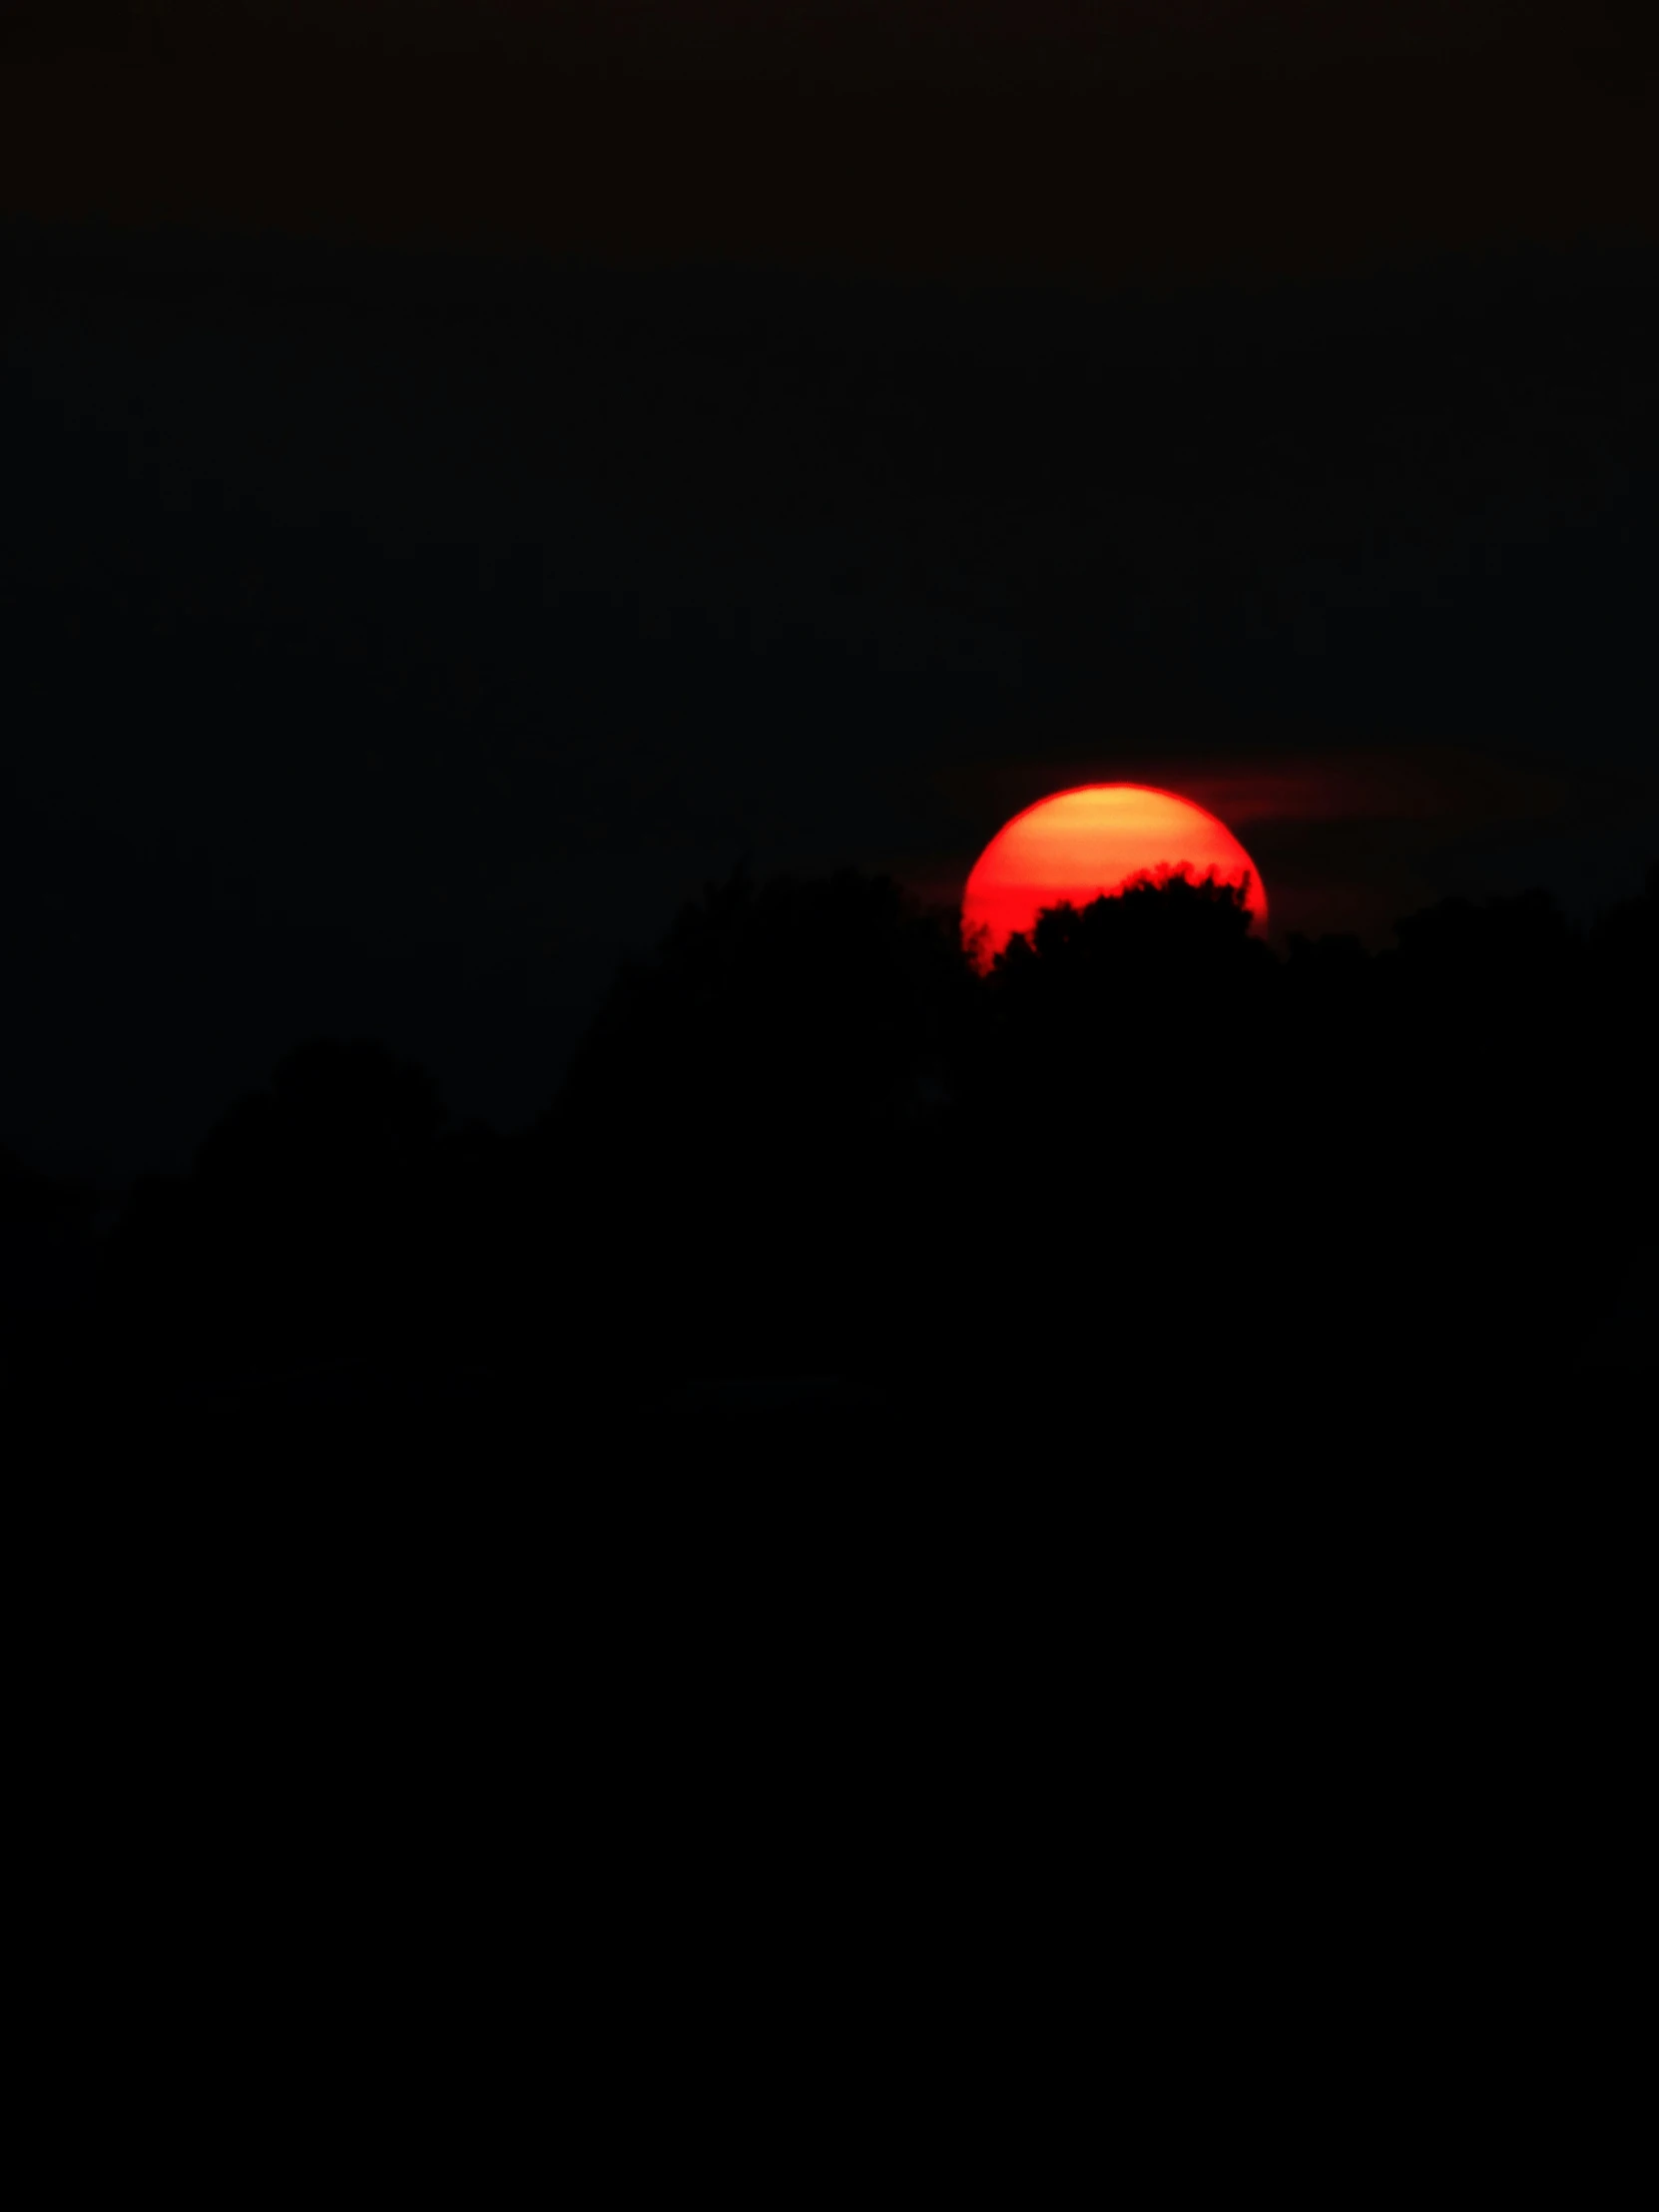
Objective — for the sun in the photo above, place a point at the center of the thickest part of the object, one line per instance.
(1097, 839)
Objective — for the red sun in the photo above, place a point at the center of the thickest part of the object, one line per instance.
(1097, 839)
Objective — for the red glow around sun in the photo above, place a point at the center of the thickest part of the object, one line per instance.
(1097, 839)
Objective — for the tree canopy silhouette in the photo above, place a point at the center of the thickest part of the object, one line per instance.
(807, 1135)
(740, 1103)
(768, 1003)
(293, 1233)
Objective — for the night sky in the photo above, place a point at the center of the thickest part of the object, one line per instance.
(468, 484)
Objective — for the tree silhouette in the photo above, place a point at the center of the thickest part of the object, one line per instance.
(1162, 920)
(832, 996)
(1127, 975)
(293, 1233)
(1143, 1164)
(738, 1107)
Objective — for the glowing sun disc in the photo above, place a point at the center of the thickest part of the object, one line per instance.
(1079, 844)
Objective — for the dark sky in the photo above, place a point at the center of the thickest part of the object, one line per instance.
(1079, 138)
(467, 482)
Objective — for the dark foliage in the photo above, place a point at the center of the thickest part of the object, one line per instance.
(742, 1105)
(298, 1233)
(1141, 1170)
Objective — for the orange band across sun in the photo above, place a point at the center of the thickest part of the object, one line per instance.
(1080, 844)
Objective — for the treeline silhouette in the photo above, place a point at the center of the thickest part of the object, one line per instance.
(1142, 1169)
